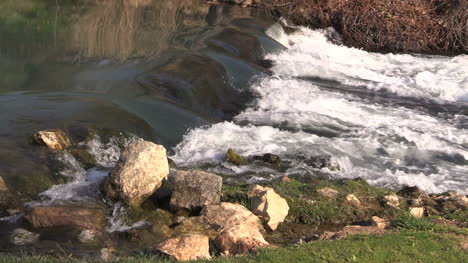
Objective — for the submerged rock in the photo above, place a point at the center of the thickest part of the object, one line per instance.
(186, 247)
(8, 201)
(197, 225)
(195, 190)
(328, 192)
(87, 236)
(84, 157)
(268, 205)
(54, 139)
(80, 217)
(20, 237)
(140, 171)
(234, 158)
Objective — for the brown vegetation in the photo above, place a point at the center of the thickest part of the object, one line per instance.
(429, 26)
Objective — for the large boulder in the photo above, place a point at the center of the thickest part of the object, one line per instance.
(268, 205)
(140, 171)
(195, 190)
(54, 139)
(240, 229)
(186, 247)
(79, 217)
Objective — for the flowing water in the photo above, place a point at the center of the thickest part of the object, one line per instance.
(200, 79)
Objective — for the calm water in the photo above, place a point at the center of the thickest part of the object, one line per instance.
(152, 68)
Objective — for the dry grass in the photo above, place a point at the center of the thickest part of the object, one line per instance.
(427, 26)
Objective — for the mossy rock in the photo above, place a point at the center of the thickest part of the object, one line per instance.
(234, 158)
(37, 181)
(84, 157)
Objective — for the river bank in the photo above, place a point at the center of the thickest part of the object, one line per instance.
(321, 213)
(423, 26)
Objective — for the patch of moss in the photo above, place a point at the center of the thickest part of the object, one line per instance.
(36, 182)
(84, 157)
(234, 158)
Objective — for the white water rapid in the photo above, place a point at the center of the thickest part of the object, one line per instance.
(393, 120)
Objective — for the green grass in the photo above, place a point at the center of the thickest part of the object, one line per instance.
(397, 247)
(307, 206)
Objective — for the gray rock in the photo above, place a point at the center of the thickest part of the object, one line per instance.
(195, 190)
(22, 237)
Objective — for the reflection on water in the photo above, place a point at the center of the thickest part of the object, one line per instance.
(151, 67)
(121, 29)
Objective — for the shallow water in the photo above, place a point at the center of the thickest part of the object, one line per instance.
(148, 67)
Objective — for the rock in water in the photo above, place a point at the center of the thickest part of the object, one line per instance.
(53, 139)
(8, 200)
(268, 205)
(186, 247)
(140, 171)
(195, 190)
(234, 158)
(80, 217)
(20, 237)
(240, 228)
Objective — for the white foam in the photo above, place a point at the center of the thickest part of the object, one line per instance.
(387, 145)
(311, 54)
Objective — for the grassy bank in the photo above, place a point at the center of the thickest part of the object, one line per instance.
(406, 246)
(423, 26)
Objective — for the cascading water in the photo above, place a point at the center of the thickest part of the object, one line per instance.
(357, 107)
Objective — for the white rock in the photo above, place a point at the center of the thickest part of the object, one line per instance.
(268, 205)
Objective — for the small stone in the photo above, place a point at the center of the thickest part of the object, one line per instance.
(353, 200)
(195, 190)
(234, 158)
(186, 247)
(20, 237)
(285, 179)
(140, 171)
(417, 212)
(268, 205)
(106, 254)
(328, 192)
(392, 200)
(54, 139)
(87, 236)
(379, 222)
